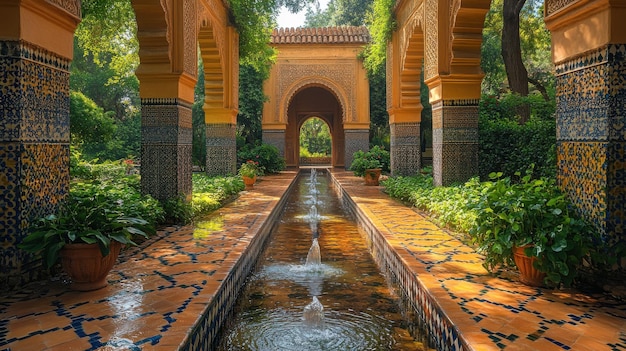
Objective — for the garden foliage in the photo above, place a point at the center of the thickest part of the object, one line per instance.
(266, 155)
(509, 147)
(496, 215)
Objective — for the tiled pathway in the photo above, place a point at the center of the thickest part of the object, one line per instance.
(490, 313)
(156, 294)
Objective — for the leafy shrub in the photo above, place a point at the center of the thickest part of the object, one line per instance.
(376, 157)
(508, 147)
(266, 155)
(497, 214)
(210, 193)
(447, 205)
(530, 212)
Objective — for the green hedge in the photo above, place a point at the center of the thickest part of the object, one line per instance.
(508, 147)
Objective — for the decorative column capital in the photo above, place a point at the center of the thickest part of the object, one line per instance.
(165, 85)
(581, 26)
(454, 87)
(219, 115)
(405, 115)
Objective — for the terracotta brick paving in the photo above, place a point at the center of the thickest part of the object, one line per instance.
(156, 294)
(490, 313)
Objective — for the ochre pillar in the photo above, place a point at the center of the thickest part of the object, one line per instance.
(221, 89)
(454, 100)
(166, 135)
(589, 51)
(404, 105)
(36, 43)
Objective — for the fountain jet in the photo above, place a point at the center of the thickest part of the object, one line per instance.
(314, 314)
(314, 256)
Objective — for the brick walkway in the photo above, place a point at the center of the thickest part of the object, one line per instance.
(158, 295)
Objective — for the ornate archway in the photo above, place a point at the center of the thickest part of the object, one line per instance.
(588, 47)
(170, 33)
(322, 64)
(447, 46)
(36, 48)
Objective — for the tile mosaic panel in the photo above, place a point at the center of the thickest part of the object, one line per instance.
(166, 144)
(591, 131)
(221, 149)
(355, 139)
(616, 192)
(34, 150)
(34, 94)
(581, 173)
(455, 141)
(276, 138)
(406, 153)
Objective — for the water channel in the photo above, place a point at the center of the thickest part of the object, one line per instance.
(316, 286)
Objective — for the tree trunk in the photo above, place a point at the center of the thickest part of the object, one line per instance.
(542, 89)
(512, 53)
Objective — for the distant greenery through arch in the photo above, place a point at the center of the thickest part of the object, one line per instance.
(315, 140)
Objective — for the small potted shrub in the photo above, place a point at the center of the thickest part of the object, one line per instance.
(370, 164)
(248, 172)
(85, 236)
(528, 224)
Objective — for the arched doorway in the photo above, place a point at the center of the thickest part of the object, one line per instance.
(315, 142)
(317, 72)
(313, 101)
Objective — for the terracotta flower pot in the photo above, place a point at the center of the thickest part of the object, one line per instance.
(86, 266)
(249, 181)
(372, 176)
(528, 274)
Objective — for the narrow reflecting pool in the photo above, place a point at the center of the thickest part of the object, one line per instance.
(317, 287)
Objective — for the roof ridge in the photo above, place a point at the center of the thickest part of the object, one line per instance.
(330, 35)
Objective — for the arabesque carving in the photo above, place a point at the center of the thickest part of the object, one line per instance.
(338, 78)
(339, 93)
(71, 6)
(553, 6)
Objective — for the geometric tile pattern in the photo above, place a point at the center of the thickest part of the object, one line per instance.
(172, 293)
(221, 149)
(275, 137)
(355, 139)
(406, 152)
(591, 136)
(462, 306)
(34, 148)
(166, 148)
(455, 141)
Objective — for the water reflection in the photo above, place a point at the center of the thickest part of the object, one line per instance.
(342, 302)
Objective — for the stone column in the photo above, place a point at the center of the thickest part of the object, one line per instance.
(166, 148)
(589, 50)
(34, 124)
(356, 139)
(454, 99)
(405, 143)
(455, 141)
(221, 149)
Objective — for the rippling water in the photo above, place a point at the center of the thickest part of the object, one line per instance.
(360, 310)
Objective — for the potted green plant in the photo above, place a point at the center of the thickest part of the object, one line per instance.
(370, 164)
(85, 236)
(248, 172)
(529, 224)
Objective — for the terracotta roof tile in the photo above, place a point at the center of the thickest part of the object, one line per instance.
(328, 35)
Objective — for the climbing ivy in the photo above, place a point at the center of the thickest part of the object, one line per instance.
(381, 25)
